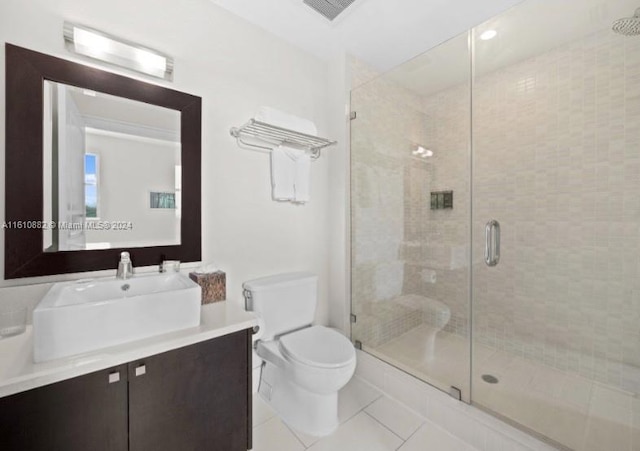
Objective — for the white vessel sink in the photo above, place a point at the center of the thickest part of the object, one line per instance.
(82, 316)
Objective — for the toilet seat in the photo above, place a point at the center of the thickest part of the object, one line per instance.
(318, 347)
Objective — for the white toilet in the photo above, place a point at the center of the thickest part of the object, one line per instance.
(304, 365)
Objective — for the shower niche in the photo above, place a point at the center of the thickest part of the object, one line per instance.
(441, 200)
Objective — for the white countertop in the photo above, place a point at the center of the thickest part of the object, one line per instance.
(19, 373)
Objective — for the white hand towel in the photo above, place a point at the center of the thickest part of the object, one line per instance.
(286, 120)
(282, 174)
(302, 178)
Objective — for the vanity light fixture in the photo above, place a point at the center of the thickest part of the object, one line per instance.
(488, 34)
(421, 151)
(104, 47)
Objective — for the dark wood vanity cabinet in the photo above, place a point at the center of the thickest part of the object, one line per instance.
(85, 413)
(189, 399)
(195, 398)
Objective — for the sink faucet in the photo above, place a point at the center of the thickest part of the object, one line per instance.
(125, 268)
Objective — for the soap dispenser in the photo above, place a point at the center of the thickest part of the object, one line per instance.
(125, 268)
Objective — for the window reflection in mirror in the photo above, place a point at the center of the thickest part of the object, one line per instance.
(104, 156)
(91, 186)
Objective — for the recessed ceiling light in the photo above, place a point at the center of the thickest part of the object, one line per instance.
(488, 34)
(420, 151)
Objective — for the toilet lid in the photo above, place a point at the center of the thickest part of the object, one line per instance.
(318, 346)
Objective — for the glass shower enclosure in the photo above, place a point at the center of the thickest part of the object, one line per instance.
(495, 216)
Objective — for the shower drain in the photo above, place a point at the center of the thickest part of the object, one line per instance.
(489, 379)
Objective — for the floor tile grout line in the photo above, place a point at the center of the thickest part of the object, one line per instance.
(370, 385)
(254, 425)
(380, 394)
(424, 422)
(423, 418)
(383, 425)
(362, 409)
(468, 445)
(276, 417)
(296, 436)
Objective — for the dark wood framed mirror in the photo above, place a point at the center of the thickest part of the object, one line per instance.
(26, 221)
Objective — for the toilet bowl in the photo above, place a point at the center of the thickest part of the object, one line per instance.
(438, 314)
(302, 375)
(304, 365)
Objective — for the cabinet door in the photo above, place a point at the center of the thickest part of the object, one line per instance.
(193, 398)
(85, 413)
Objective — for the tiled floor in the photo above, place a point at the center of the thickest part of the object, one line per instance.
(369, 421)
(578, 413)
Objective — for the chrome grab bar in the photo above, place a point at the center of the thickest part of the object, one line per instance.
(492, 243)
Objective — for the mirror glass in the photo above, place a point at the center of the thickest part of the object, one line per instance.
(111, 173)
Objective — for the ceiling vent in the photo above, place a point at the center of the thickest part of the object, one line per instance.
(329, 8)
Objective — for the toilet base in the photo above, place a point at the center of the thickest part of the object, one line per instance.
(255, 380)
(312, 413)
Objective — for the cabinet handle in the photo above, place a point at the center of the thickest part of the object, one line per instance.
(114, 377)
(141, 370)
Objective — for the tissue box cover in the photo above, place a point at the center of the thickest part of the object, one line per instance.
(214, 285)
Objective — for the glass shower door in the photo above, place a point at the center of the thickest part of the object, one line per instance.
(410, 215)
(556, 161)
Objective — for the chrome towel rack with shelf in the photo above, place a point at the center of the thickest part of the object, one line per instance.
(276, 136)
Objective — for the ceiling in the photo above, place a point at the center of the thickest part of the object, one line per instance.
(382, 33)
(531, 29)
(116, 114)
(392, 36)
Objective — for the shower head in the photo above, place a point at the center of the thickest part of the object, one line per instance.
(628, 26)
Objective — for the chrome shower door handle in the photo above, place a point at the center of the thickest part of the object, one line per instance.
(492, 243)
(487, 243)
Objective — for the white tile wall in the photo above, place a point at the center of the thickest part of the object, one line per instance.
(388, 122)
(557, 161)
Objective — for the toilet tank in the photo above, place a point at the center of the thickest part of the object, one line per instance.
(285, 301)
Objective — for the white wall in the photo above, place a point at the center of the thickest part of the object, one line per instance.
(235, 67)
(70, 178)
(129, 168)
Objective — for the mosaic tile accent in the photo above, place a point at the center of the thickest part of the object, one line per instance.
(388, 119)
(382, 322)
(397, 240)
